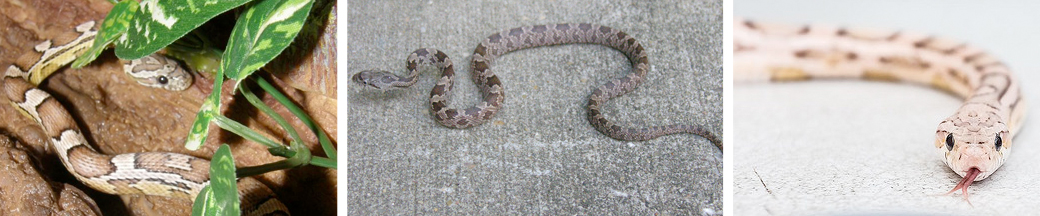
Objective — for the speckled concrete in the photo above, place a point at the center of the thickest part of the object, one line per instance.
(538, 155)
(865, 148)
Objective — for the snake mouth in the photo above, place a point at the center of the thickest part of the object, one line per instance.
(968, 179)
(357, 78)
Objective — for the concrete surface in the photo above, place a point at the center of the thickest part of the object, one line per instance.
(538, 155)
(856, 147)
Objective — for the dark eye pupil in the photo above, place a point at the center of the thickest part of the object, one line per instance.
(949, 142)
(163, 80)
(999, 143)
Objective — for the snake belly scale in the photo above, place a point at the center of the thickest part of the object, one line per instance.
(147, 173)
(973, 142)
(493, 92)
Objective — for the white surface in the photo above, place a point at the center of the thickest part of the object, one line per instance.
(855, 147)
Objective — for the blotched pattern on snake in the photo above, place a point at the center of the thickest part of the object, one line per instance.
(491, 87)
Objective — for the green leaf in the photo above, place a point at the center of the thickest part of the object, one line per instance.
(323, 139)
(159, 23)
(116, 23)
(261, 33)
(198, 208)
(200, 128)
(210, 107)
(220, 197)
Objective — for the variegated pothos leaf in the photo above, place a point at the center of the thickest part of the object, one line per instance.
(115, 25)
(198, 208)
(222, 199)
(210, 107)
(159, 23)
(261, 33)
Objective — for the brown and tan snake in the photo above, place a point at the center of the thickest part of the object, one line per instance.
(974, 142)
(149, 173)
(491, 87)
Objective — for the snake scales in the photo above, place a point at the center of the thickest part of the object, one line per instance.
(149, 173)
(974, 142)
(491, 87)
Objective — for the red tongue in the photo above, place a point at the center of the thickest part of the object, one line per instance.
(963, 185)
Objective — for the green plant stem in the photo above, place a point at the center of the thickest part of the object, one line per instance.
(326, 144)
(283, 151)
(302, 157)
(284, 164)
(261, 169)
(243, 131)
(323, 162)
(259, 104)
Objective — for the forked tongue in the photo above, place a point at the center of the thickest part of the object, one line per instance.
(963, 185)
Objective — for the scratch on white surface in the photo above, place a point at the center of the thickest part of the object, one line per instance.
(707, 212)
(619, 193)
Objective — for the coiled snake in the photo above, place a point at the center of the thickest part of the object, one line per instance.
(491, 87)
(974, 142)
(150, 173)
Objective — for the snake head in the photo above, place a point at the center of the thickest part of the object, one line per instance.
(977, 138)
(377, 79)
(158, 71)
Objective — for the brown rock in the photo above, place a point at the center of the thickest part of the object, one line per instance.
(26, 192)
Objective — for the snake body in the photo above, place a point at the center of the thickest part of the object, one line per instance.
(148, 173)
(521, 38)
(974, 141)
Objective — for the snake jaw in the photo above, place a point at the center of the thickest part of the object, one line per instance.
(361, 78)
(974, 143)
(381, 80)
(975, 160)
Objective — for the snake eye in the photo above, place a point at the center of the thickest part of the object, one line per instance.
(949, 141)
(998, 142)
(163, 80)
